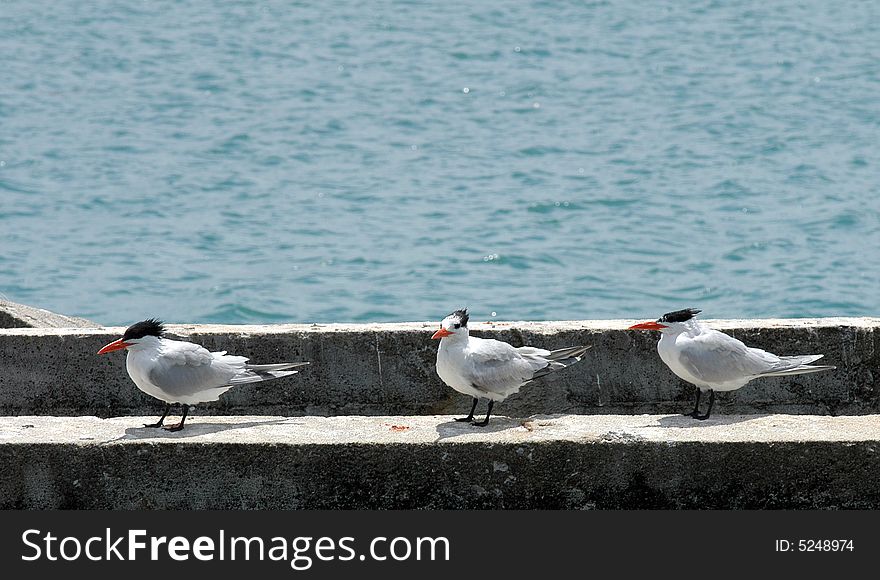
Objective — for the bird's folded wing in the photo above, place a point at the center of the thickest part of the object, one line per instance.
(190, 368)
(185, 354)
(500, 376)
(498, 369)
(533, 351)
(489, 350)
(719, 358)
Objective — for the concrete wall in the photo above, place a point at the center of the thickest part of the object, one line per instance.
(377, 369)
(14, 315)
(600, 434)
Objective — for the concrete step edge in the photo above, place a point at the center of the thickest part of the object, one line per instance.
(440, 429)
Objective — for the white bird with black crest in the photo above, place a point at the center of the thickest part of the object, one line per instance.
(490, 369)
(714, 361)
(182, 372)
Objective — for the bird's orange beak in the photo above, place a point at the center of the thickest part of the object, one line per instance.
(441, 333)
(115, 345)
(647, 326)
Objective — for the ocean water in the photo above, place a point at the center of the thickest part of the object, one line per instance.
(246, 162)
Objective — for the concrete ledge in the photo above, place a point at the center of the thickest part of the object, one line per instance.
(388, 369)
(14, 315)
(570, 462)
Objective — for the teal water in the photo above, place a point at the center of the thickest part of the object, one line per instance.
(377, 161)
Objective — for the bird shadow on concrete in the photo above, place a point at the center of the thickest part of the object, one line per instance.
(686, 422)
(194, 429)
(454, 428)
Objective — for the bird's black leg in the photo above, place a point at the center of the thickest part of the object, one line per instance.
(709, 410)
(485, 421)
(179, 426)
(161, 420)
(696, 410)
(470, 416)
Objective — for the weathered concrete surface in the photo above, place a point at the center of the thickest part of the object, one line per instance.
(378, 369)
(570, 461)
(14, 315)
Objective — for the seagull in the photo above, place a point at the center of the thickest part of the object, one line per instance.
(491, 369)
(176, 371)
(714, 361)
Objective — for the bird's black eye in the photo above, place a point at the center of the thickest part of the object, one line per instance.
(456, 325)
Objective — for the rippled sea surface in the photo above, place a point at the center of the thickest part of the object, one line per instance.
(375, 161)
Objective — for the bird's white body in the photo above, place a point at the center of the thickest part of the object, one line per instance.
(487, 368)
(182, 372)
(712, 360)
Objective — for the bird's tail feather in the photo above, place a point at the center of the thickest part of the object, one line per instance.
(275, 366)
(257, 373)
(801, 359)
(570, 352)
(561, 358)
(798, 364)
(799, 370)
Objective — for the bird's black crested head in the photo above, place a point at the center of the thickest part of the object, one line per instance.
(680, 315)
(149, 327)
(462, 315)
